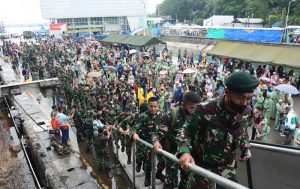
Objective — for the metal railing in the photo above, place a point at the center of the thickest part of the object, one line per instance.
(216, 179)
(275, 148)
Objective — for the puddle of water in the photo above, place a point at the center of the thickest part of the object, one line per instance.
(114, 178)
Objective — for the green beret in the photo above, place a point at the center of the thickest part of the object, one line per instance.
(241, 82)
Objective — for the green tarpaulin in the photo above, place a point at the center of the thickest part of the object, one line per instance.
(270, 54)
(216, 34)
(138, 41)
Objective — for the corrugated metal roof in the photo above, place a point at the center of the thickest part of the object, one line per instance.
(280, 55)
(250, 20)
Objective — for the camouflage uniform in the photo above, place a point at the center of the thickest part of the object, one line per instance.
(213, 135)
(125, 140)
(101, 143)
(78, 124)
(121, 123)
(147, 125)
(170, 124)
(88, 129)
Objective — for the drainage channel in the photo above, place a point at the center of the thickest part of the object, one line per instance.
(17, 138)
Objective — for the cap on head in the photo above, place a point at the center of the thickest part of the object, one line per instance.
(241, 82)
(53, 113)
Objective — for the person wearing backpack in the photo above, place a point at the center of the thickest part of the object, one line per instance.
(166, 138)
(63, 121)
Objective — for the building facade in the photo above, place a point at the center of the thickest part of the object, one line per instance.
(218, 21)
(97, 16)
(230, 21)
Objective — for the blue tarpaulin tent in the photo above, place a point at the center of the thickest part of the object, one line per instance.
(257, 35)
(86, 35)
(254, 35)
(42, 30)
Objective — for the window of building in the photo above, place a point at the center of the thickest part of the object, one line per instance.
(96, 21)
(80, 21)
(112, 20)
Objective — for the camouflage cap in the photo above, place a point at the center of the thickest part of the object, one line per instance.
(241, 82)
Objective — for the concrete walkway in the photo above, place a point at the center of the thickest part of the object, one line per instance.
(139, 177)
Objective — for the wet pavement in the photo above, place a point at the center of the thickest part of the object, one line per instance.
(107, 178)
(274, 136)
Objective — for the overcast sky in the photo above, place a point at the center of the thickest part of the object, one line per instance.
(28, 11)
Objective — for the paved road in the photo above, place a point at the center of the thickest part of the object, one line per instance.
(274, 136)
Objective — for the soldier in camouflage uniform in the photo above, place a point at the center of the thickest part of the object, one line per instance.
(101, 143)
(214, 131)
(77, 117)
(88, 129)
(170, 124)
(124, 127)
(147, 125)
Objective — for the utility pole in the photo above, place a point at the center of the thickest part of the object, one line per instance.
(145, 18)
(288, 12)
(287, 19)
(89, 23)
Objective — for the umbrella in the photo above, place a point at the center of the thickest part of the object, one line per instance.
(132, 51)
(286, 88)
(163, 72)
(265, 79)
(112, 68)
(188, 71)
(94, 74)
(145, 54)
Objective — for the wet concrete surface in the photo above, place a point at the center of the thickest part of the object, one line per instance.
(14, 172)
(275, 137)
(139, 177)
(114, 177)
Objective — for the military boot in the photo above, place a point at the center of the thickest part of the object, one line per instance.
(138, 167)
(160, 176)
(147, 181)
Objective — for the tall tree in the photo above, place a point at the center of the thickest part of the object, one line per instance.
(192, 10)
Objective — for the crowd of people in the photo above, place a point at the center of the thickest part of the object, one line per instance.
(115, 94)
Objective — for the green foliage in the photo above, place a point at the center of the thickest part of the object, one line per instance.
(195, 10)
(199, 21)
